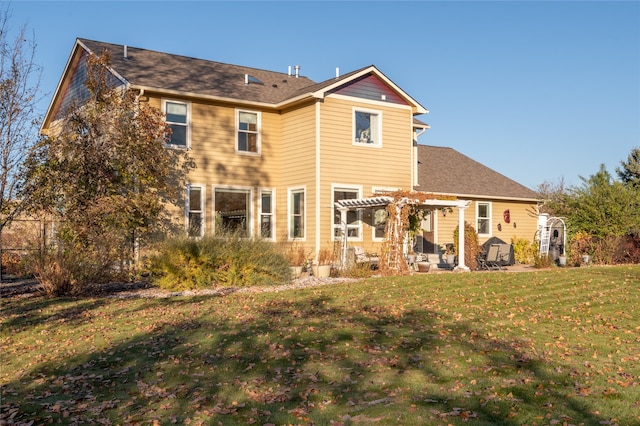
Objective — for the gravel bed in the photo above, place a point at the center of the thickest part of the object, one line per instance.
(300, 283)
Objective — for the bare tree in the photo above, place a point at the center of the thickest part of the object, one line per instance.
(19, 91)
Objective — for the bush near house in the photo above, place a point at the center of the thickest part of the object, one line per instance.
(229, 260)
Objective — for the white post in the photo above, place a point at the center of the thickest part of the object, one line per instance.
(343, 220)
(462, 267)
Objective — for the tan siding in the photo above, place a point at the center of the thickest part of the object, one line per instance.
(297, 157)
(523, 215)
(367, 167)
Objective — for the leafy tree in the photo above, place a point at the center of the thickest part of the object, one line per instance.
(553, 197)
(629, 172)
(105, 174)
(19, 88)
(603, 207)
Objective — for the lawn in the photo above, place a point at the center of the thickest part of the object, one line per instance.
(559, 346)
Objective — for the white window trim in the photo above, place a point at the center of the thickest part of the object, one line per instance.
(377, 144)
(290, 191)
(490, 212)
(354, 188)
(378, 190)
(272, 191)
(259, 132)
(232, 188)
(187, 207)
(188, 124)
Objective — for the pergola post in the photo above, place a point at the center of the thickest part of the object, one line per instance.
(343, 221)
(462, 267)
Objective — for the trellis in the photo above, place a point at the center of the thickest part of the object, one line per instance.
(401, 206)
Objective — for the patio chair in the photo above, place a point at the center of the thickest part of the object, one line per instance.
(493, 259)
(364, 257)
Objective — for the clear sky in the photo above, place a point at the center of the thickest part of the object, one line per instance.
(538, 91)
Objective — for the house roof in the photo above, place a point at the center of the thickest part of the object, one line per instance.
(444, 170)
(181, 74)
(192, 77)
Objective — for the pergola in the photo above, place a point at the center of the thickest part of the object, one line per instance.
(383, 201)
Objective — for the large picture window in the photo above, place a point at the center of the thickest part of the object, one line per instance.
(367, 127)
(296, 213)
(353, 225)
(484, 218)
(248, 132)
(266, 215)
(195, 211)
(233, 210)
(178, 120)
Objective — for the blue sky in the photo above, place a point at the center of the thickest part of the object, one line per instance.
(538, 91)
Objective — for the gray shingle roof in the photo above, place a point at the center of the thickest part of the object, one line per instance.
(446, 171)
(165, 71)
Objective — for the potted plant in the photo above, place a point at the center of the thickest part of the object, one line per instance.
(450, 254)
(297, 258)
(325, 260)
(422, 263)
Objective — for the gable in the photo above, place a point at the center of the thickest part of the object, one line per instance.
(75, 90)
(372, 88)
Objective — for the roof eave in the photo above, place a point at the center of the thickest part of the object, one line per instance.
(490, 197)
(195, 95)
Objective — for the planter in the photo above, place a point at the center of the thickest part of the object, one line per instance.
(586, 259)
(424, 266)
(562, 260)
(451, 259)
(296, 271)
(324, 271)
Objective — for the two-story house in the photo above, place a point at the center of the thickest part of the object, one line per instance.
(277, 155)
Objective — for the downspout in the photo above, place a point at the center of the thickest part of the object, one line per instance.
(414, 159)
(317, 165)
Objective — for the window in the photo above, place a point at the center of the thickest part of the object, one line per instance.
(484, 218)
(266, 215)
(296, 213)
(195, 212)
(380, 214)
(380, 217)
(232, 208)
(176, 116)
(248, 132)
(353, 224)
(366, 125)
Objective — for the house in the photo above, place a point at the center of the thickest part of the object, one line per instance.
(500, 207)
(277, 155)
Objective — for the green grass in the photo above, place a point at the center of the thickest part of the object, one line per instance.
(558, 346)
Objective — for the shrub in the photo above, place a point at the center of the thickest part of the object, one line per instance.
(229, 260)
(471, 245)
(73, 270)
(524, 251)
(628, 249)
(542, 261)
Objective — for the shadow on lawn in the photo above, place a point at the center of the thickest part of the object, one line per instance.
(280, 361)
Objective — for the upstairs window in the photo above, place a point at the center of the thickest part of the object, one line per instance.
(177, 118)
(367, 127)
(248, 132)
